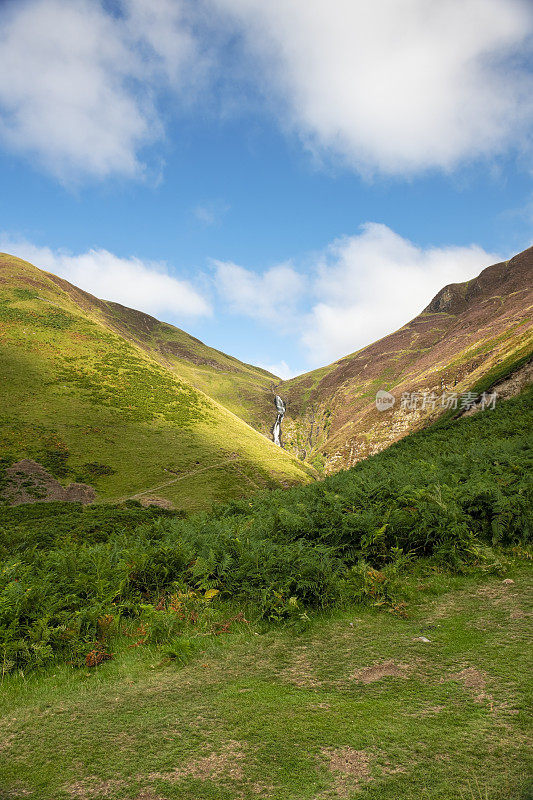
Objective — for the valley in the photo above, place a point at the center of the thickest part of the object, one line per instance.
(103, 395)
(215, 584)
(266, 400)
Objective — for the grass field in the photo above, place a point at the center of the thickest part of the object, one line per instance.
(354, 707)
(276, 647)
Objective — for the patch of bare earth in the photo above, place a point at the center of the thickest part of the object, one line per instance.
(474, 681)
(224, 765)
(93, 788)
(29, 482)
(375, 672)
(350, 768)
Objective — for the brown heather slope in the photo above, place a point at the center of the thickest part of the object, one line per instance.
(470, 336)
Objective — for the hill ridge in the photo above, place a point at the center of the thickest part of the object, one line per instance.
(463, 334)
(92, 405)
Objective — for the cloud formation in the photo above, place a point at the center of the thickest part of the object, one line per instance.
(211, 212)
(77, 83)
(395, 86)
(359, 289)
(138, 284)
(281, 370)
(271, 296)
(368, 285)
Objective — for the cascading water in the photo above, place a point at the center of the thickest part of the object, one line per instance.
(276, 431)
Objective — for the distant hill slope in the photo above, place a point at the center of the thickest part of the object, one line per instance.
(469, 336)
(105, 395)
(245, 390)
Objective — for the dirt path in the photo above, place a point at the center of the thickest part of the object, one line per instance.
(176, 480)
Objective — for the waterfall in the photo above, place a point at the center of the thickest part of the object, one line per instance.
(276, 431)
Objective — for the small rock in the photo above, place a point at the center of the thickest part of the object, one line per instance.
(421, 639)
(508, 581)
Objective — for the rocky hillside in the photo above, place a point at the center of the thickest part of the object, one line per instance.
(470, 337)
(109, 397)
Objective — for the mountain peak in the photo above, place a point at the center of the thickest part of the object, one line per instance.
(468, 332)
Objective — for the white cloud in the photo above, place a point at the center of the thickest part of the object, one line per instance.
(77, 84)
(396, 86)
(373, 283)
(271, 296)
(139, 284)
(163, 28)
(357, 290)
(281, 370)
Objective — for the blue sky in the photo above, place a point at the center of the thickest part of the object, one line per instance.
(287, 181)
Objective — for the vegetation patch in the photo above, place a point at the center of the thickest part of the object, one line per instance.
(220, 766)
(28, 482)
(446, 496)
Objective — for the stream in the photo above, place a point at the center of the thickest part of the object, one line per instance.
(276, 430)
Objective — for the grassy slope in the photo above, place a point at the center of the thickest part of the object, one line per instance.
(76, 393)
(353, 706)
(244, 389)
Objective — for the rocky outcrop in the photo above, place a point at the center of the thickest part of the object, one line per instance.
(509, 387)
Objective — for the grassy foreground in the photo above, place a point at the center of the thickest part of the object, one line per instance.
(355, 707)
(366, 636)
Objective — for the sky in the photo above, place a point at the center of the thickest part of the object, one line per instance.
(287, 181)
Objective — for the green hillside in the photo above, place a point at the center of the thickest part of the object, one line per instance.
(94, 405)
(362, 636)
(245, 390)
(446, 494)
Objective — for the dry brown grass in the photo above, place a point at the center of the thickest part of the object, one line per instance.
(93, 788)
(300, 672)
(223, 765)
(376, 672)
(350, 768)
